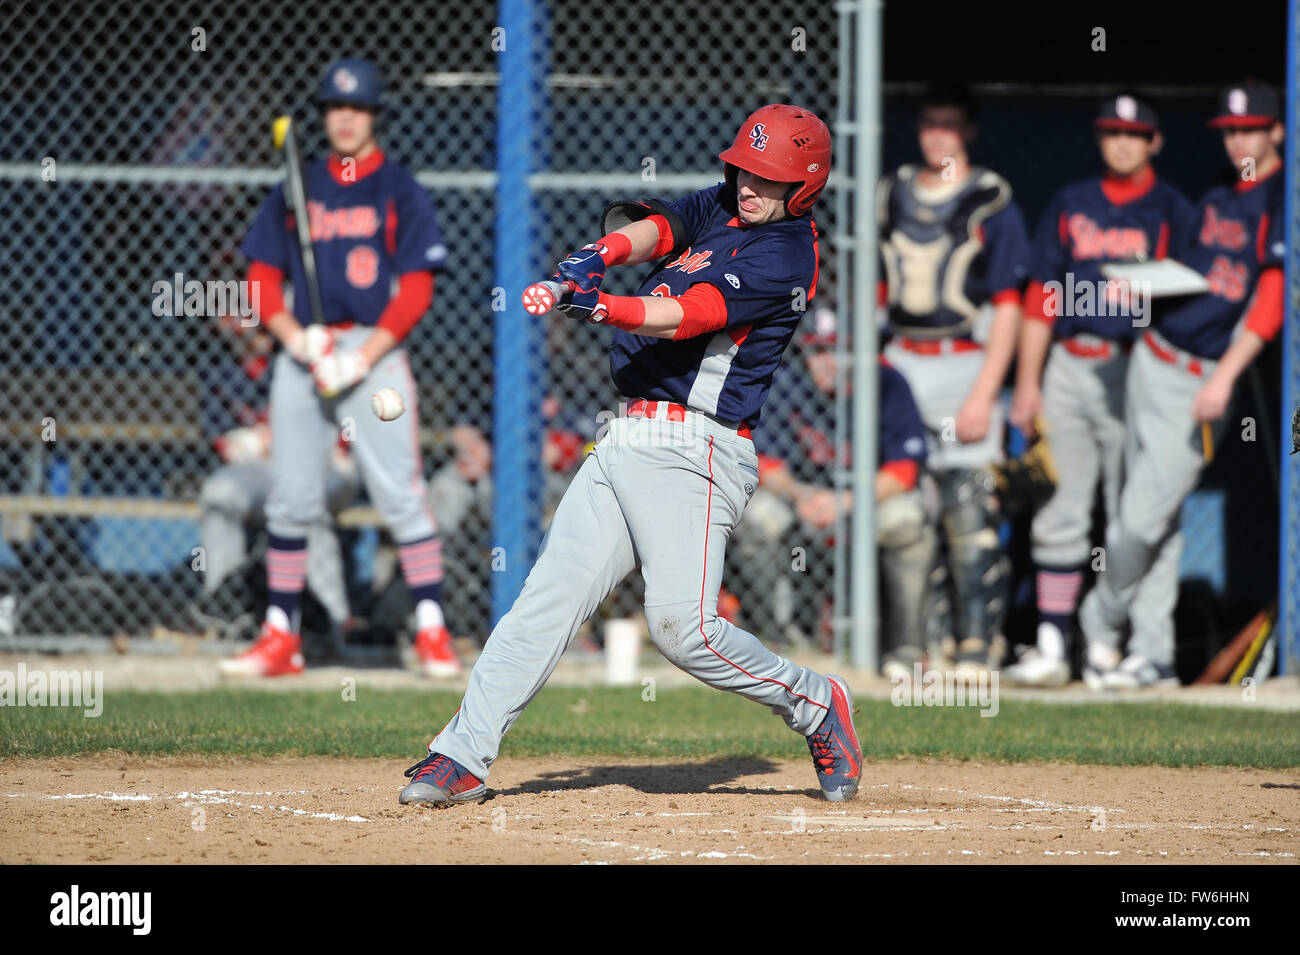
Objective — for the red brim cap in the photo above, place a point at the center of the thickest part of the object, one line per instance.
(1248, 122)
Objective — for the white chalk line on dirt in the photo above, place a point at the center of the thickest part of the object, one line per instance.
(206, 797)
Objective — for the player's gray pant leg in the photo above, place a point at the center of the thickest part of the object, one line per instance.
(452, 498)
(235, 496)
(587, 550)
(682, 500)
(907, 551)
(940, 384)
(231, 498)
(661, 489)
(1083, 411)
(1152, 610)
(1163, 464)
(303, 436)
(388, 452)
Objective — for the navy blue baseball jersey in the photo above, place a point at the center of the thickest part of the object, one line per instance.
(800, 425)
(767, 274)
(365, 234)
(1239, 231)
(1088, 224)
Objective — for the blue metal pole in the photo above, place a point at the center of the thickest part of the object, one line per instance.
(1288, 594)
(519, 339)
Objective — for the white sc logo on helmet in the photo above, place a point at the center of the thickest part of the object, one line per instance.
(758, 136)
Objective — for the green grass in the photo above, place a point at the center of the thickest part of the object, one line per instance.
(693, 723)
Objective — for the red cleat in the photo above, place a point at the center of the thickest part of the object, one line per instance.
(276, 653)
(436, 654)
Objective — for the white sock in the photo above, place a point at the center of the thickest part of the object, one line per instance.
(1051, 642)
(278, 618)
(428, 614)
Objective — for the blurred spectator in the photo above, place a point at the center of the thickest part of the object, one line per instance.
(797, 504)
(953, 242)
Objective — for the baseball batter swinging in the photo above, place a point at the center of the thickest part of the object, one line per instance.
(372, 227)
(693, 352)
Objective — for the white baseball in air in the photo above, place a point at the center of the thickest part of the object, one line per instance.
(387, 404)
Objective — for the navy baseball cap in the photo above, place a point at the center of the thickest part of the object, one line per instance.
(1247, 104)
(353, 81)
(1126, 112)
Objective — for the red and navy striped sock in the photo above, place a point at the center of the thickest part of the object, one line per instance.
(422, 568)
(1058, 596)
(286, 575)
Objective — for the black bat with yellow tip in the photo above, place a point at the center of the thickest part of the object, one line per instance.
(295, 194)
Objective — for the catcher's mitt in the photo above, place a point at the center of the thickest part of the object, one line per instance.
(1029, 481)
(1295, 430)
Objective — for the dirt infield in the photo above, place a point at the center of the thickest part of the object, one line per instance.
(129, 810)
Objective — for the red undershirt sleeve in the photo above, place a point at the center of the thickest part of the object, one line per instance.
(905, 470)
(1265, 315)
(266, 280)
(413, 298)
(1036, 303)
(704, 310)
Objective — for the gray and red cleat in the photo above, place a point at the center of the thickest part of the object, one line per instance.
(836, 754)
(440, 781)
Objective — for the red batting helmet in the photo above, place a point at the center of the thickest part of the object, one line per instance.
(784, 144)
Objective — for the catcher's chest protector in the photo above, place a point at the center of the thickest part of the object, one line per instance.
(929, 249)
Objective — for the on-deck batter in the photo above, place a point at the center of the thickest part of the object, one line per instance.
(694, 351)
(372, 228)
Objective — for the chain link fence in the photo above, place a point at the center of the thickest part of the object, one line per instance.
(137, 149)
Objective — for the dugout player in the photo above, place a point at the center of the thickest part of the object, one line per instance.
(373, 228)
(797, 461)
(952, 242)
(1083, 332)
(1180, 382)
(693, 352)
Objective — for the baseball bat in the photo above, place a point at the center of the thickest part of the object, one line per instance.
(1207, 442)
(286, 140)
(1227, 659)
(540, 297)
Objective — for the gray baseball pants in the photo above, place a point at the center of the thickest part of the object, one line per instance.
(1163, 460)
(305, 428)
(663, 495)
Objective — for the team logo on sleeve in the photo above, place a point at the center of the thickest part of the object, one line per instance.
(436, 253)
(758, 136)
(732, 280)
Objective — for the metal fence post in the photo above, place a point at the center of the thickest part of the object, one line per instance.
(520, 339)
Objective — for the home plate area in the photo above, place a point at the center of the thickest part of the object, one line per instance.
(602, 811)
